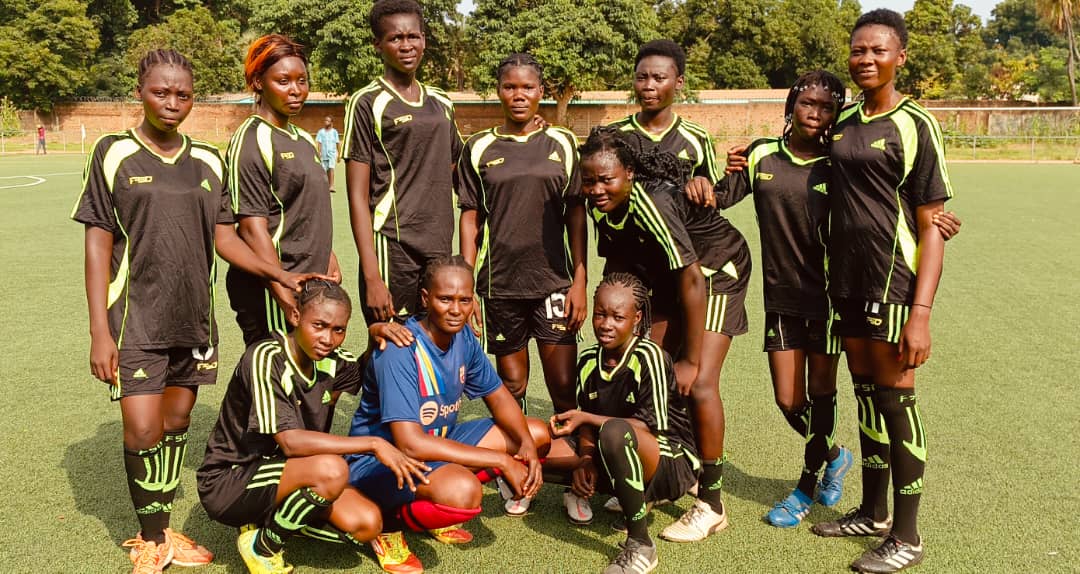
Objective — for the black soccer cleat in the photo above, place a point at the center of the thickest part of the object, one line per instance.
(854, 523)
(892, 556)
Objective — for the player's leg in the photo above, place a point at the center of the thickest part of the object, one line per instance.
(178, 400)
(330, 174)
(257, 313)
(557, 346)
(506, 334)
(821, 447)
(630, 459)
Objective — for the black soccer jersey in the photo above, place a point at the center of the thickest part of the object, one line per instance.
(661, 231)
(162, 213)
(268, 394)
(884, 167)
(411, 148)
(520, 187)
(791, 198)
(684, 139)
(275, 173)
(641, 386)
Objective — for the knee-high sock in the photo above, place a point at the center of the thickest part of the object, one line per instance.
(820, 439)
(145, 478)
(299, 507)
(618, 452)
(173, 450)
(711, 483)
(874, 444)
(908, 443)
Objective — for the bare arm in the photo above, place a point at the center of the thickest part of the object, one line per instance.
(104, 357)
(468, 229)
(413, 441)
(509, 418)
(299, 443)
(256, 234)
(358, 186)
(693, 300)
(577, 232)
(915, 337)
(233, 249)
(565, 423)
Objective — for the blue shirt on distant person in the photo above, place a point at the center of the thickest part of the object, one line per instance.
(328, 139)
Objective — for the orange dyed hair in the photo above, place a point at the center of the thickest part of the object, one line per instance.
(267, 51)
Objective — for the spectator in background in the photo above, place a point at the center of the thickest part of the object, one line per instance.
(40, 140)
(327, 138)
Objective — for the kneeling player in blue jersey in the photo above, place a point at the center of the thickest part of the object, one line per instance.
(631, 430)
(411, 397)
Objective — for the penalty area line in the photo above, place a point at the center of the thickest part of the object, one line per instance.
(35, 179)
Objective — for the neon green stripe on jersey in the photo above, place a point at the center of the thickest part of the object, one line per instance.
(654, 362)
(935, 135)
(909, 139)
(262, 386)
(209, 158)
(654, 223)
(756, 155)
(386, 204)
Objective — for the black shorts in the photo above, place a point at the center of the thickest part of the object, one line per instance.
(674, 476)
(149, 371)
(402, 271)
(510, 323)
(242, 494)
(257, 312)
(725, 303)
(788, 332)
(869, 320)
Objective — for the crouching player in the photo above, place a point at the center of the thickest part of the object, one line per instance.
(632, 426)
(411, 397)
(270, 460)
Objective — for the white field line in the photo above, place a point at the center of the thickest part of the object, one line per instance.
(36, 179)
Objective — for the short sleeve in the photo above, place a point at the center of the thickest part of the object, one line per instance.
(360, 131)
(398, 380)
(585, 398)
(662, 216)
(348, 372)
(652, 394)
(249, 180)
(480, 377)
(732, 188)
(95, 204)
(707, 167)
(469, 184)
(272, 409)
(457, 145)
(931, 178)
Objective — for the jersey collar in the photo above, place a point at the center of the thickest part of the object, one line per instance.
(867, 119)
(517, 138)
(168, 160)
(796, 159)
(417, 104)
(607, 375)
(654, 137)
(291, 133)
(285, 346)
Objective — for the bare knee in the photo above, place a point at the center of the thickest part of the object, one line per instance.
(142, 434)
(360, 518)
(790, 404)
(330, 475)
(539, 431)
(456, 486)
(705, 391)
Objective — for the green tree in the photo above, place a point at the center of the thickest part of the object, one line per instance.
(1060, 15)
(46, 47)
(1017, 19)
(582, 44)
(1050, 75)
(212, 45)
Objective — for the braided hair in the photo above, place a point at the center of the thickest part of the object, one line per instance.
(630, 150)
(822, 79)
(519, 59)
(155, 58)
(641, 297)
(452, 262)
(320, 290)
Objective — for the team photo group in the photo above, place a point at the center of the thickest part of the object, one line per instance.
(849, 200)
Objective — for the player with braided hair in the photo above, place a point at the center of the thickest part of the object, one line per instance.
(630, 435)
(697, 266)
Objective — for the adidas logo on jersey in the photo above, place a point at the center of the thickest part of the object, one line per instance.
(630, 397)
(402, 119)
(684, 155)
(771, 333)
(140, 374)
(495, 162)
(140, 179)
(287, 155)
(878, 144)
(500, 338)
(326, 398)
(764, 176)
(822, 189)
(836, 137)
(206, 185)
(555, 157)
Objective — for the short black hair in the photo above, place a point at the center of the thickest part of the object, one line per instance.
(155, 58)
(439, 264)
(516, 60)
(884, 17)
(665, 48)
(384, 8)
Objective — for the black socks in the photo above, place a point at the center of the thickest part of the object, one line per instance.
(618, 451)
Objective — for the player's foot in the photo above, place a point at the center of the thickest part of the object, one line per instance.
(394, 554)
(696, 524)
(578, 509)
(831, 487)
(257, 563)
(187, 552)
(854, 523)
(619, 524)
(892, 556)
(635, 558)
(519, 507)
(612, 505)
(149, 557)
(789, 512)
(451, 535)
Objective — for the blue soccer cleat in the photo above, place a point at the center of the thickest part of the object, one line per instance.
(831, 487)
(788, 513)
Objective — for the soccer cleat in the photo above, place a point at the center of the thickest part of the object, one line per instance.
(394, 554)
(635, 558)
(186, 552)
(788, 513)
(892, 556)
(512, 507)
(149, 557)
(831, 487)
(451, 535)
(854, 523)
(696, 524)
(578, 509)
(612, 505)
(257, 563)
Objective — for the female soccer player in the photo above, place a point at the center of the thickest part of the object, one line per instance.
(271, 460)
(631, 419)
(523, 228)
(154, 206)
(886, 259)
(697, 265)
(659, 68)
(280, 194)
(401, 144)
(411, 397)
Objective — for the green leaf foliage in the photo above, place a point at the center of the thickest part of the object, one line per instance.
(212, 45)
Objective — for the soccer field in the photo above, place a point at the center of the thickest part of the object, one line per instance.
(996, 399)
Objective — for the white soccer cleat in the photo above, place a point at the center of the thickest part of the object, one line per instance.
(578, 509)
(696, 524)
